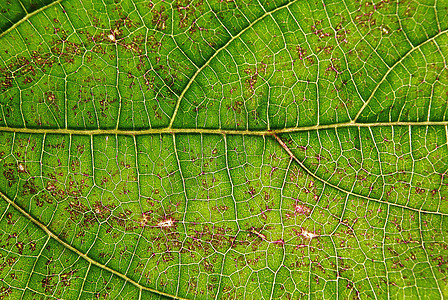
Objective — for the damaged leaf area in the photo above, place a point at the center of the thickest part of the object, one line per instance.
(213, 149)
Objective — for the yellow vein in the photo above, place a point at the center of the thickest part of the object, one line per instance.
(216, 53)
(23, 7)
(71, 248)
(213, 131)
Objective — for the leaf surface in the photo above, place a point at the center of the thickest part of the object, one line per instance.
(223, 149)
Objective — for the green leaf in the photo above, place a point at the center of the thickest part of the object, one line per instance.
(223, 149)
(15, 12)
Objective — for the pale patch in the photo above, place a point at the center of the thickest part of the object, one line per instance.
(111, 37)
(167, 223)
(21, 168)
(300, 209)
(308, 234)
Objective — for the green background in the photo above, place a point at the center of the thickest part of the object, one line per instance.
(298, 149)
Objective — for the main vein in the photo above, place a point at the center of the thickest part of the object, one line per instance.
(167, 130)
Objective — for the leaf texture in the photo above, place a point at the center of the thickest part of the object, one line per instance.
(218, 149)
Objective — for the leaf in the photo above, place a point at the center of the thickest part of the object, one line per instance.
(15, 12)
(223, 149)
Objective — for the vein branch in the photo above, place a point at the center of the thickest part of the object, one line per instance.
(292, 155)
(193, 78)
(71, 248)
(27, 16)
(392, 68)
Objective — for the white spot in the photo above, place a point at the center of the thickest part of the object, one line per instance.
(307, 234)
(21, 167)
(166, 223)
(112, 37)
(107, 138)
(385, 29)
